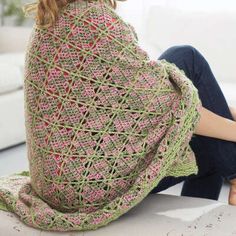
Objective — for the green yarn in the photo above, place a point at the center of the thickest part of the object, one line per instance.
(3, 206)
(23, 173)
(104, 123)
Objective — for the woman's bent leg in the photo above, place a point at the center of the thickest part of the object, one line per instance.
(216, 158)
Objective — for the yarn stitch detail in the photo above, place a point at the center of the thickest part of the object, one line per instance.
(104, 123)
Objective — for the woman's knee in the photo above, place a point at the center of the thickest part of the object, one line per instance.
(179, 51)
(183, 56)
(183, 48)
(187, 58)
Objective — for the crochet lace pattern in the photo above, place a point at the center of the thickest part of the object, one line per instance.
(104, 123)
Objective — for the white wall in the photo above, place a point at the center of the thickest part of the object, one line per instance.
(203, 5)
(136, 11)
(132, 11)
(215, 37)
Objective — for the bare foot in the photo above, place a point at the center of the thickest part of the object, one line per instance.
(232, 193)
(232, 196)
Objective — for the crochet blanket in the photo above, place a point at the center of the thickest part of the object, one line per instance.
(104, 123)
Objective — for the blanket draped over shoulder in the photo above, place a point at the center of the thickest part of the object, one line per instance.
(104, 123)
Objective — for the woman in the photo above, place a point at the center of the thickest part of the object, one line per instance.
(105, 126)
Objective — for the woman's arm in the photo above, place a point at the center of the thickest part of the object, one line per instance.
(215, 126)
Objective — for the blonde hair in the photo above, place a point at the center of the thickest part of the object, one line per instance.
(47, 11)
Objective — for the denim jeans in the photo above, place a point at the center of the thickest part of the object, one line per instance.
(216, 158)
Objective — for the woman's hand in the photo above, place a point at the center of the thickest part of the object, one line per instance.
(233, 112)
